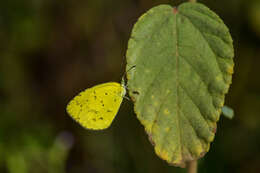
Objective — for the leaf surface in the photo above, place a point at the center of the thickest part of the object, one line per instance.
(183, 60)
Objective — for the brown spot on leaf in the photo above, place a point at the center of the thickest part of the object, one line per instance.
(150, 139)
(175, 10)
(214, 130)
(202, 154)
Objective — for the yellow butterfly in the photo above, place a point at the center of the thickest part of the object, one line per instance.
(96, 107)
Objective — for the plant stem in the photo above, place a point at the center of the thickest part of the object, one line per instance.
(192, 0)
(192, 166)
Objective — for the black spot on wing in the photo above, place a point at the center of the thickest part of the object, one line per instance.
(102, 103)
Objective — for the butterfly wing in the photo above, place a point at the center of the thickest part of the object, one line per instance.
(96, 107)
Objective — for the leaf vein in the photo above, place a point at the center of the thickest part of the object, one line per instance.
(225, 41)
(192, 100)
(201, 33)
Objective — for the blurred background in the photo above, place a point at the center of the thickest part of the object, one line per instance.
(50, 50)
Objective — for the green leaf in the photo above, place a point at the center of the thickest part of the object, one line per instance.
(183, 60)
(228, 112)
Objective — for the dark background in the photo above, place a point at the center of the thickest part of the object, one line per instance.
(50, 50)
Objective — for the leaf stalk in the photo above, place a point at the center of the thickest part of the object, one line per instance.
(192, 166)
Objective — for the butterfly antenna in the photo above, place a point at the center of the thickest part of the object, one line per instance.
(124, 76)
(123, 65)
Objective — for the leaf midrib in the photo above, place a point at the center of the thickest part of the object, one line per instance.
(177, 85)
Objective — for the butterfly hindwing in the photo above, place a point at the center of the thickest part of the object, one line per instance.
(96, 107)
